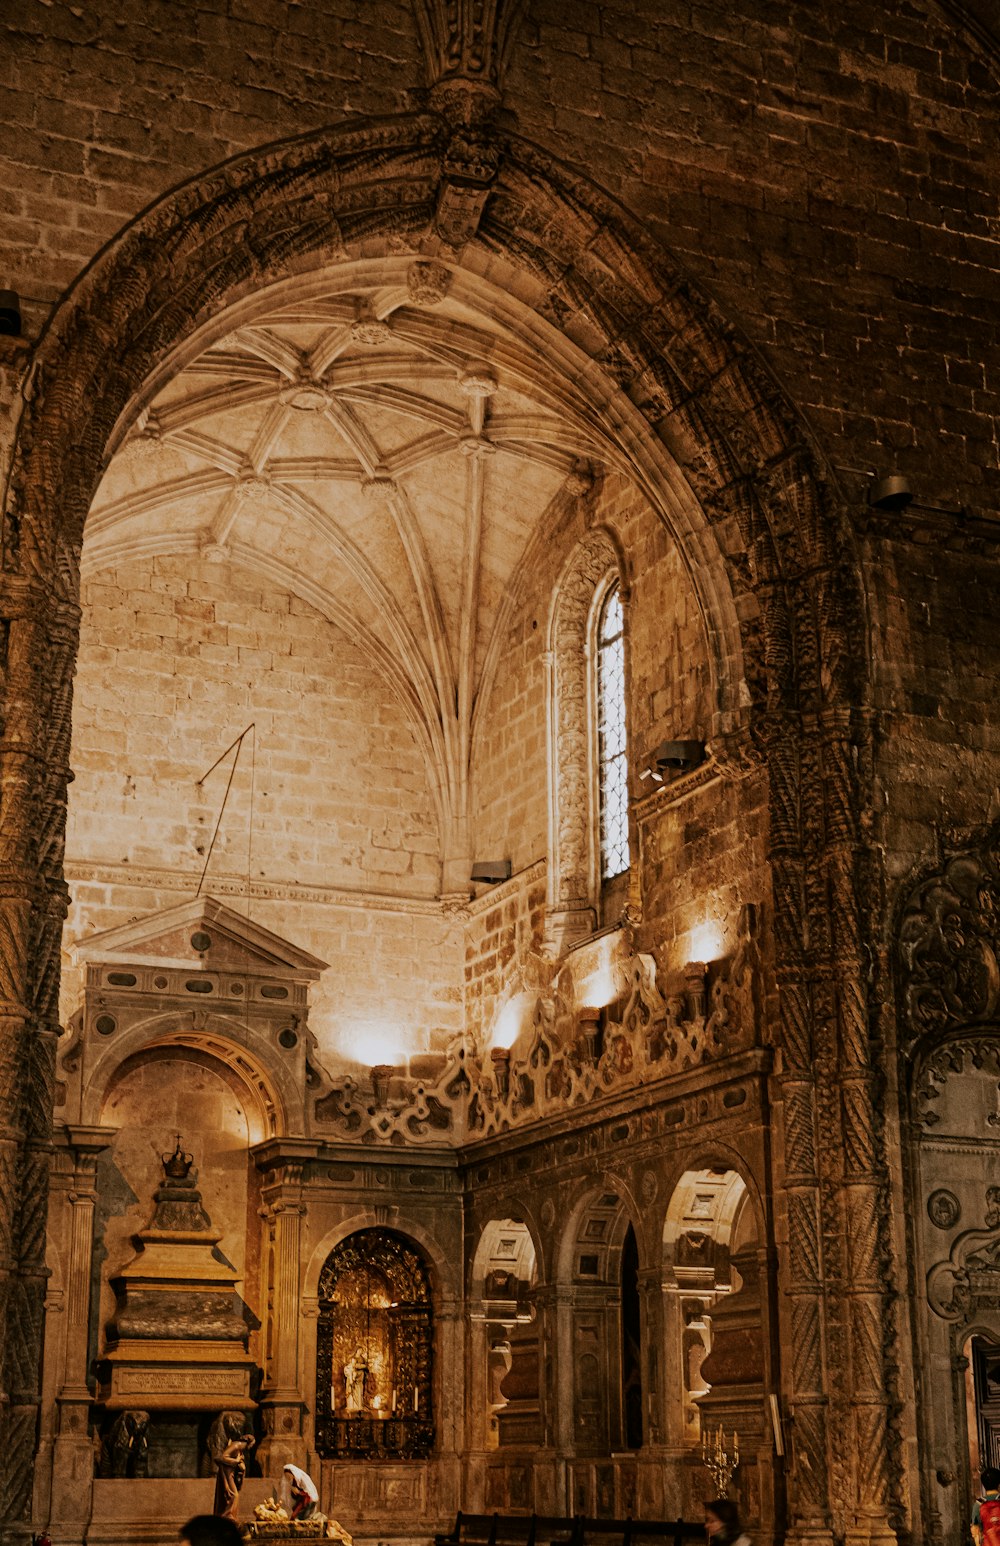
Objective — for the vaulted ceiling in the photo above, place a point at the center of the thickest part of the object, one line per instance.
(386, 454)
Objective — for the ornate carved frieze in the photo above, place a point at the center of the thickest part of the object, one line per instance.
(573, 1056)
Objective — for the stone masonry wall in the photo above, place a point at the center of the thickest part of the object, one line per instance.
(831, 174)
(177, 657)
(698, 861)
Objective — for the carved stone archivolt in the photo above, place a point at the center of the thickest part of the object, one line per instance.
(789, 631)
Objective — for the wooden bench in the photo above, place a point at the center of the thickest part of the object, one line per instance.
(547, 1530)
(496, 1530)
(629, 1532)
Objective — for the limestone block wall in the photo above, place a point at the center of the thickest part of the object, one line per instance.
(116, 105)
(830, 174)
(937, 655)
(697, 861)
(177, 657)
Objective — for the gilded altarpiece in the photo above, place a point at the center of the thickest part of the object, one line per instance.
(374, 1386)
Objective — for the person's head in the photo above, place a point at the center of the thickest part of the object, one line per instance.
(722, 1520)
(990, 1479)
(210, 1530)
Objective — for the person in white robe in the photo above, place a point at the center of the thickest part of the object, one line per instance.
(299, 1493)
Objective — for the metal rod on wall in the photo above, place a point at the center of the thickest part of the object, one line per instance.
(238, 744)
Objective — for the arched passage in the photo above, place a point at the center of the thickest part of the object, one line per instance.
(601, 1347)
(718, 1339)
(681, 402)
(504, 1371)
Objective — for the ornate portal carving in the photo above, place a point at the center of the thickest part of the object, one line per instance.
(969, 1281)
(949, 944)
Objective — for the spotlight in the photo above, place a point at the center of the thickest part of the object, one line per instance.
(675, 756)
(492, 871)
(10, 313)
(891, 493)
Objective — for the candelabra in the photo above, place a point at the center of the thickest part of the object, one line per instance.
(716, 1458)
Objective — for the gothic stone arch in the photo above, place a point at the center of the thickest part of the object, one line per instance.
(775, 575)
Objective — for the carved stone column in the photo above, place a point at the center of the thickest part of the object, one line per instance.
(651, 1342)
(864, 1191)
(282, 1401)
(73, 1457)
(37, 650)
(803, 1244)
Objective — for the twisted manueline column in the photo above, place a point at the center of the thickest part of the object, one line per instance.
(39, 638)
(864, 1398)
(806, 1365)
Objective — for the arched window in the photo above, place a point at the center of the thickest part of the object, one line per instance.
(612, 752)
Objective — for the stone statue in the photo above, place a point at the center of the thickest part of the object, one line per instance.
(355, 1379)
(227, 1426)
(232, 1470)
(126, 1451)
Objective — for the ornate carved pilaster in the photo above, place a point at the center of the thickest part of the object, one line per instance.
(863, 1199)
(73, 1456)
(37, 645)
(282, 1401)
(804, 1268)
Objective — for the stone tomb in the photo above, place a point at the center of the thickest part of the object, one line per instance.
(177, 1345)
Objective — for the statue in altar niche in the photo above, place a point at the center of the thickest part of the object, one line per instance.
(374, 1350)
(356, 1371)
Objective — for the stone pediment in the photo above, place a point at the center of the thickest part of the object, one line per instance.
(203, 933)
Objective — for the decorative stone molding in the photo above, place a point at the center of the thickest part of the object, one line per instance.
(573, 1058)
(571, 905)
(952, 1057)
(969, 1281)
(370, 330)
(477, 381)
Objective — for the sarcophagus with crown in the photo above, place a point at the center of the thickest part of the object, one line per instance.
(178, 1341)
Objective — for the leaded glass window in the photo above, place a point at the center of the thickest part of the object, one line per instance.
(612, 754)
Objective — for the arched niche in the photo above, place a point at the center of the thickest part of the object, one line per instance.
(590, 1273)
(375, 1350)
(202, 976)
(716, 1338)
(504, 1373)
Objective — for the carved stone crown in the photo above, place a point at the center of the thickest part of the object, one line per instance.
(177, 1165)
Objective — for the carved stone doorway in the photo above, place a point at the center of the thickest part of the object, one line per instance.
(984, 1369)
